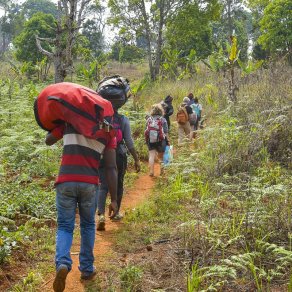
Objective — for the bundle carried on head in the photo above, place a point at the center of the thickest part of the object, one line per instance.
(116, 89)
(75, 104)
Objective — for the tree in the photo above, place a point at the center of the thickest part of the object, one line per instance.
(71, 15)
(10, 22)
(189, 29)
(148, 20)
(235, 20)
(94, 35)
(26, 49)
(14, 16)
(30, 7)
(276, 26)
(257, 8)
(93, 29)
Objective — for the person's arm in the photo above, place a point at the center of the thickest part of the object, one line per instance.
(127, 136)
(165, 129)
(55, 135)
(136, 158)
(111, 176)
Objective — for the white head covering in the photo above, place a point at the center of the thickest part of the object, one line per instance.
(186, 100)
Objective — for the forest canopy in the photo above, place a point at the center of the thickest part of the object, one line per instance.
(159, 31)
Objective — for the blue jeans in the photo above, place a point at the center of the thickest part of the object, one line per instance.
(103, 188)
(68, 195)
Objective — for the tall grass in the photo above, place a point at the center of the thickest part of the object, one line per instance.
(226, 200)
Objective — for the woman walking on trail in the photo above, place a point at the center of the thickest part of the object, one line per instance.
(183, 120)
(156, 135)
(125, 143)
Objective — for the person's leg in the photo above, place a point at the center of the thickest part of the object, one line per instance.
(121, 166)
(187, 130)
(86, 202)
(152, 154)
(192, 129)
(102, 192)
(66, 202)
(160, 158)
(181, 134)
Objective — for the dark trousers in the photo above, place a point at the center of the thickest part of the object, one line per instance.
(121, 160)
(122, 167)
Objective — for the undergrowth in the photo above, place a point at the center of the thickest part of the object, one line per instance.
(223, 210)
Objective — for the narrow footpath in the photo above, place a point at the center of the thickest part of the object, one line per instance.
(104, 240)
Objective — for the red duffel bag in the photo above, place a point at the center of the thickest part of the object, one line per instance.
(78, 105)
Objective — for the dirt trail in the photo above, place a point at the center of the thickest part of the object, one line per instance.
(104, 239)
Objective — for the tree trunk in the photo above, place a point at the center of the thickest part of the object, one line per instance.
(229, 17)
(68, 24)
(159, 39)
(148, 40)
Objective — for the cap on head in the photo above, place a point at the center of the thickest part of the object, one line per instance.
(186, 100)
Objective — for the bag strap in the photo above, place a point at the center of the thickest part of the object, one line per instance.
(99, 124)
(72, 108)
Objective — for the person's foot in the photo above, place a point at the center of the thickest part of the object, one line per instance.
(118, 217)
(101, 223)
(88, 275)
(60, 279)
(151, 174)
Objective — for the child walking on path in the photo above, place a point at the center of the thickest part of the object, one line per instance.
(156, 135)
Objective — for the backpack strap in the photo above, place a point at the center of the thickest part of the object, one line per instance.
(73, 108)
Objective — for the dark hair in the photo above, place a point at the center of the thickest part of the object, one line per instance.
(169, 98)
(190, 96)
(196, 100)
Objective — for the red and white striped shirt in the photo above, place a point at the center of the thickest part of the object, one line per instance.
(81, 155)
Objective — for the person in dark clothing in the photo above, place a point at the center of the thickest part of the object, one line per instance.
(125, 143)
(118, 97)
(191, 98)
(168, 109)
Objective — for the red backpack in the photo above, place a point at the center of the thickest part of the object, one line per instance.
(75, 104)
(154, 130)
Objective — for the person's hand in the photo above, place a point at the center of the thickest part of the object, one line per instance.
(137, 165)
(113, 209)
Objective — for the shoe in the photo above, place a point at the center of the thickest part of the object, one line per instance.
(118, 217)
(151, 174)
(88, 275)
(101, 223)
(60, 279)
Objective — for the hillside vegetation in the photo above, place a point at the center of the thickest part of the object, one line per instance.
(220, 217)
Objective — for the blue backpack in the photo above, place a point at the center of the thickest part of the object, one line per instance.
(196, 109)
